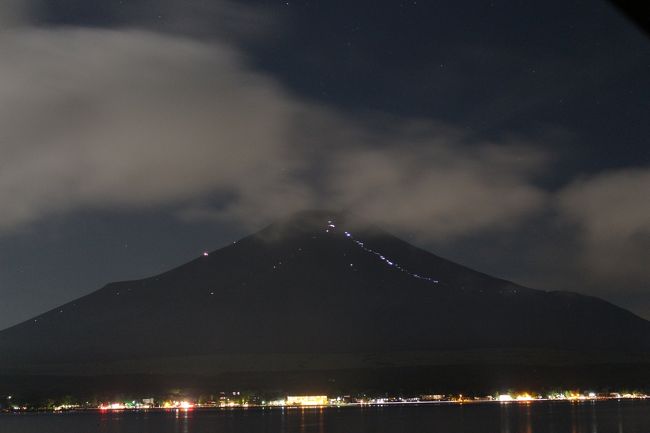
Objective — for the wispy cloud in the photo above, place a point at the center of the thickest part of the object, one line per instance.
(611, 210)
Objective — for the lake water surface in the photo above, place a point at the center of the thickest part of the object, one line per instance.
(539, 417)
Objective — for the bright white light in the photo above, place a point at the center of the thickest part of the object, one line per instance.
(205, 253)
(185, 405)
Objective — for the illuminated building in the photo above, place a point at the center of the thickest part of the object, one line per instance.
(432, 397)
(525, 397)
(307, 400)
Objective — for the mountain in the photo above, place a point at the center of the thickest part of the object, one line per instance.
(318, 291)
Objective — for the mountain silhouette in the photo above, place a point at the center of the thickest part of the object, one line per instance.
(324, 291)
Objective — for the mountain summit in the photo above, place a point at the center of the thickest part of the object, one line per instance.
(320, 290)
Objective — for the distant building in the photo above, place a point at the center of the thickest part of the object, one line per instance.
(432, 397)
(307, 400)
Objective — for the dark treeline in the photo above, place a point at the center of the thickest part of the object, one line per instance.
(405, 381)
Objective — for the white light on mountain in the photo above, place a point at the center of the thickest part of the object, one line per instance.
(382, 257)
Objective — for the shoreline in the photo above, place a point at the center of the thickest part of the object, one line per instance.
(358, 405)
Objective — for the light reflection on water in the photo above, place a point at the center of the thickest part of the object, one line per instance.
(548, 417)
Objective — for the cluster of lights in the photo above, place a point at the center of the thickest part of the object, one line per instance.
(348, 400)
(571, 395)
(568, 396)
(112, 406)
(131, 405)
(383, 258)
(185, 405)
(520, 397)
(66, 407)
(233, 404)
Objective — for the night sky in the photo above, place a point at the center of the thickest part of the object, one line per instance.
(512, 137)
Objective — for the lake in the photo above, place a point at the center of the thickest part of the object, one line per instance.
(629, 416)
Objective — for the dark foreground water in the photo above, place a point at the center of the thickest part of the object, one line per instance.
(546, 417)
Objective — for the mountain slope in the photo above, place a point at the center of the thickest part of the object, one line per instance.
(316, 285)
